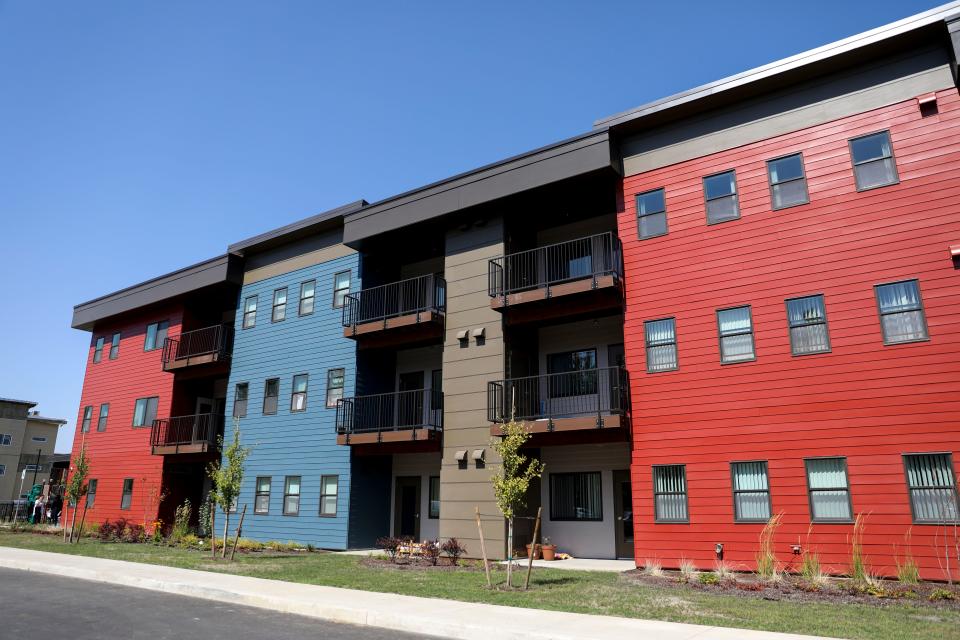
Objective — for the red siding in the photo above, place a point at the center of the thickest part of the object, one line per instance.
(866, 401)
(123, 451)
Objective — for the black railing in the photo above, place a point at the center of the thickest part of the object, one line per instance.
(554, 264)
(398, 411)
(216, 340)
(591, 392)
(186, 430)
(414, 295)
(8, 511)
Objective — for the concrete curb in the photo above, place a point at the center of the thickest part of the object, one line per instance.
(428, 616)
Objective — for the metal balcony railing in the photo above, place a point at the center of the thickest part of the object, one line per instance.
(414, 295)
(216, 341)
(397, 411)
(186, 430)
(550, 396)
(554, 264)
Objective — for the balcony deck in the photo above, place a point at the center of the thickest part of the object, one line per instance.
(207, 346)
(404, 312)
(189, 434)
(397, 418)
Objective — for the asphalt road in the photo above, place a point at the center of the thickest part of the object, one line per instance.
(34, 605)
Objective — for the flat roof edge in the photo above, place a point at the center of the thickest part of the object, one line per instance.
(277, 235)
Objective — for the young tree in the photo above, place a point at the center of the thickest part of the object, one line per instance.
(77, 485)
(512, 478)
(226, 475)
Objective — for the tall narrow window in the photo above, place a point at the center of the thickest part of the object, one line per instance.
(291, 496)
(436, 390)
(807, 320)
(98, 350)
(156, 334)
(3, 470)
(901, 312)
(335, 380)
(670, 493)
(933, 487)
(87, 418)
(126, 497)
(102, 419)
(279, 305)
(873, 163)
(661, 342)
(788, 182)
(736, 334)
(250, 312)
(261, 501)
(573, 373)
(271, 392)
(145, 411)
(576, 496)
(341, 287)
(434, 511)
(240, 400)
(298, 395)
(115, 346)
(91, 492)
(720, 193)
(307, 292)
(829, 490)
(751, 492)
(651, 214)
(6, 439)
(328, 495)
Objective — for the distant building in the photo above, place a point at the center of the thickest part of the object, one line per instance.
(25, 435)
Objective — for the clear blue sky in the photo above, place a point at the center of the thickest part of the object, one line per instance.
(139, 137)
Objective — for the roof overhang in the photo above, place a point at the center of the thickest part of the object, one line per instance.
(296, 230)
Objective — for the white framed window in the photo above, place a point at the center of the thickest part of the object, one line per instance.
(335, 383)
(250, 312)
(328, 495)
(279, 313)
(298, 393)
(341, 287)
(308, 291)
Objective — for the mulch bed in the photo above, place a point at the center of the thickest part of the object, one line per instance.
(419, 564)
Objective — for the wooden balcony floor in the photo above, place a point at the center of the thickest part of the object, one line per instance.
(390, 436)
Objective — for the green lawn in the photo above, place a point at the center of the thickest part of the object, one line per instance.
(555, 589)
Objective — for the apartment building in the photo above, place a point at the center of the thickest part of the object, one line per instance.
(27, 441)
(718, 307)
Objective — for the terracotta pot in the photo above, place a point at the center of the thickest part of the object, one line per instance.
(536, 554)
(548, 551)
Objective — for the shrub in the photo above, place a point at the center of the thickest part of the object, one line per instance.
(189, 541)
(391, 545)
(907, 570)
(105, 531)
(203, 519)
(722, 570)
(181, 521)
(859, 571)
(941, 594)
(431, 552)
(652, 568)
(246, 544)
(708, 578)
(767, 567)
(132, 533)
(811, 570)
(453, 549)
(688, 570)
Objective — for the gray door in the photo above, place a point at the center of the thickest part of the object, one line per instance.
(406, 508)
(623, 508)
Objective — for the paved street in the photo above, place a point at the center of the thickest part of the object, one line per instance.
(38, 605)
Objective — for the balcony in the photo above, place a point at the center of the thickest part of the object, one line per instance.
(401, 312)
(591, 399)
(186, 434)
(402, 416)
(559, 280)
(207, 346)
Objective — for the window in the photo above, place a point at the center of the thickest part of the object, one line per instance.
(720, 192)
(901, 312)
(933, 487)
(873, 163)
(580, 368)
(98, 350)
(5, 439)
(156, 334)
(261, 501)
(328, 495)
(240, 400)
(279, 305)
(788, 182)
(91, 492)
(250, 312)
(670, 493)
(661, 341)
(807, 320)
(651, 214)
(751, 492)
(736, 334)
(115, 346)
(39, 438)
(436, 390)
(271, 391)
(145, 411)
(334, 386)
(829, 490)
(434, 511)
(3, 470)
(298, 396)
(126, 497)
(575, 496)
(307, 292)
(87, 417)
(33, 467)
(341, 287)
(102, 419)
(291, 496)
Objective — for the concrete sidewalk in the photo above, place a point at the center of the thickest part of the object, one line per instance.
(442, 618)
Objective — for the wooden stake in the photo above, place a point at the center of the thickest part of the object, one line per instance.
(82, 518)
(533, 550)
(213, 532)
(236, 540)
(483, 550)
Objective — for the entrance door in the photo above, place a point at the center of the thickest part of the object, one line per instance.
(406, 508)
(410, 404)
(202, 420)
(623, 508)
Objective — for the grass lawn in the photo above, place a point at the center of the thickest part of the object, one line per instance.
(554, 589)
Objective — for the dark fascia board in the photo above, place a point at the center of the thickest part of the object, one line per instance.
(814, 62)
(583, 154)
(29, 403)
(953, 28)
(295, 230)
(225, 268)
(57, 421)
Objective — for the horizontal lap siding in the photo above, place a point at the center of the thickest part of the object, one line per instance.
(863, 400)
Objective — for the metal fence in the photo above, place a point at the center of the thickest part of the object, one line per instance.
(559, 395)
(414, 295)
(193, 429)
(398, 411)
(216, 340)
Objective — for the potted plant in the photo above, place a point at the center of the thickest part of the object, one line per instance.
(536, 552)
(548, 549)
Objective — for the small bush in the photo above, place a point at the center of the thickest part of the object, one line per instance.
(767, 566)
(941, 594)
(431, 552)
(708, 578)
(453, 549)
(811, 570)
(652, 568)
(246, 544)
(688, 570)
(133, 533)
(189, 541)
(907, 570)
(722, 570)
(105, 531)
(391, 545)
(181, 521)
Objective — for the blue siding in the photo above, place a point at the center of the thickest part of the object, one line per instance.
(294, 443)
